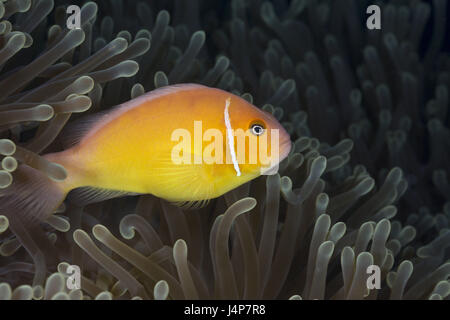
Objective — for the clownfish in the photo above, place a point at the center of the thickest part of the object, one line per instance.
(176, 142)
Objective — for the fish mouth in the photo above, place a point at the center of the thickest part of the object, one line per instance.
(285, 148)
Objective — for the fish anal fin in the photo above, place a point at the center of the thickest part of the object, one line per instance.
(191, 205)
(87, 195)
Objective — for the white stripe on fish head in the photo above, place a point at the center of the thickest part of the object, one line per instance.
(230, 137)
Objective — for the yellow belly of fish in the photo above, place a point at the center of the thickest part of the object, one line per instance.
(164, 179)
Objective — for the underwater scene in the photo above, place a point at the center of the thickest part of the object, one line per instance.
(224, 150)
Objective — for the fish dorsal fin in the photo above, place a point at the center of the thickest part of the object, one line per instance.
(75, 131)
(87, 195)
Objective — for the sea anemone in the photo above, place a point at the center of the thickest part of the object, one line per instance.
(43, 82)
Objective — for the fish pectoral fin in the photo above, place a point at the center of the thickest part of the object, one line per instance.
(87, 195)
(185, 185)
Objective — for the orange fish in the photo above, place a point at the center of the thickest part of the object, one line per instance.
(178, 143)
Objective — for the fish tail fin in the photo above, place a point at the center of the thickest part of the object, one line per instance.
(32, 196)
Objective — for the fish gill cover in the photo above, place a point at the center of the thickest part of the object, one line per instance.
(366, 181)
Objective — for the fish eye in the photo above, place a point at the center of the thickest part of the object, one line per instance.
(257, 129)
